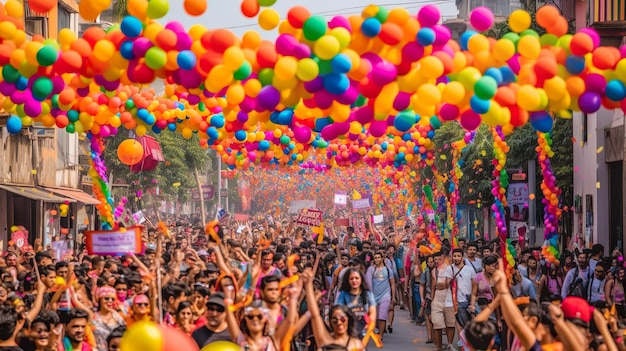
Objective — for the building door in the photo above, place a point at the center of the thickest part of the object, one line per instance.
(615, 204)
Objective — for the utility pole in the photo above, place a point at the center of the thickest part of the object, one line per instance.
(532, 205)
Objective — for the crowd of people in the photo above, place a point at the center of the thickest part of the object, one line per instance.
(269, 284)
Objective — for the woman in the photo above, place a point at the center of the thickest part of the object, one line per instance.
(106, 319)
(114, 339)
(535, 275)
(121, 292)
(553, 282)
(184, 318)
(357, 297)
(483, 290)
(251, 333)
(342, 335)
(381, 279)
(614, 292)
(140, 310)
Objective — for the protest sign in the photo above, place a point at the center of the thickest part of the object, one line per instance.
(297, 205)
(361, 204)
(113, 242)
(341, 198)
(378, 219)
(342, 222)
(312, 218)
(241, 217)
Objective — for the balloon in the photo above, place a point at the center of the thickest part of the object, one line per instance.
(221, 346)
(481, 18)
(130, 152)
(143, 336)
(14, 125)
(195, 7)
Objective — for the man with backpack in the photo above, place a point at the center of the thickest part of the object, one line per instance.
(576, 280)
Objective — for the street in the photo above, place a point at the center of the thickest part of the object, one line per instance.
(406, 335)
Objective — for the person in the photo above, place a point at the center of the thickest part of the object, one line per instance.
(535, 274)
(183, 318)
(216, 328)
(75, 331)
(442, 310)
(597, 284)
(413, 287)
(522, 286)
(267, 269)
(342, 335)
(106, 318)
(614, 292)
(115, 338)
(471, 259)
(173, 294)
(426, 295)
(271, 296)
(576, 280)
(382, 282)
(355, 294)
(462, 277)
(483, 293)
(139, 310)
(597, 251)
(11, 323)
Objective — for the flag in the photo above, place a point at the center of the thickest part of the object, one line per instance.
(222, 215)
(320, 233)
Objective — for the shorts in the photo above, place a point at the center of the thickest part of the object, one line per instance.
(464, 315)
(382, 309)
(442, 317)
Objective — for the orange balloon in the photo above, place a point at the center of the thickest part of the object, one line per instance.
(42, 6)
(130, 152)
(195, 7)
(250, 8)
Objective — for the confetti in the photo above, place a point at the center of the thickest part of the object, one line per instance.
(599, 150)
(531, 196)
(33, 172)
(443, 157)
(573, 140)
(598, 185)
(483, 153)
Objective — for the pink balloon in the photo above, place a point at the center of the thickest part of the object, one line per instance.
(481, 18)
(470, 120)
(428, 15)
(378, 128)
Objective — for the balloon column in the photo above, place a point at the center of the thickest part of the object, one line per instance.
(500, 183)
(551, 194)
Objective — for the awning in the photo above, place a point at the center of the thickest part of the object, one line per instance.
(34, 193)
(75, 194)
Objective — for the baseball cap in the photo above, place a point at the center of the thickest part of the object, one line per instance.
(576, 309)
(354, 261)
(216, 299)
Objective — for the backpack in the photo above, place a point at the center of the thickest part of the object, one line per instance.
(578, 286)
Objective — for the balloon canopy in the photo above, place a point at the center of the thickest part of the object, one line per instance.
(370, 88)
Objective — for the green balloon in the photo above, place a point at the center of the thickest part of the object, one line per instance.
(70, 128)
(10, 74)
(266, 76)
(325, 66)
(156, 58)
(382, 14)
(284, 140)
(266, 3)
(158, 8)
(435, 122)
(529, 32)
(243, 72)
(42, 88)
(512, 37)
(47, 55)
(486, 87)
(549, 39)
(314, 28)
(129, 104)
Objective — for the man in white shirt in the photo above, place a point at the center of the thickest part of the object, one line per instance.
(597, 251)
(576, 280)
(462, 276)
(442, 306)
(522, 286)
(597, 283)
(471, 260)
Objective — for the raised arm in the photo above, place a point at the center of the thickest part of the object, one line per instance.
(322, 337)
(292, 313)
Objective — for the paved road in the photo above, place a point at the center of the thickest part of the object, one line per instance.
(406, 335)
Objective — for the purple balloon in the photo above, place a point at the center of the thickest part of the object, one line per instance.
(329, 133)
(402, 101)
(57, 84)
(19, 97)
(302, 134)
(7, 88)
(595, 82)
(589, 102)
(350, 95)
(323, 99)
(315, 85)
(342, 128)
(442, 35)
(140, 46)
(285, 44)
(378, 128)
(384, 72)
(364, 114)
(268, 97)
(183, 41)
(302, 51)
(32, 108)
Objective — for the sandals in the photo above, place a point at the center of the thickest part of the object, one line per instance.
(429, 341)
(390, 329)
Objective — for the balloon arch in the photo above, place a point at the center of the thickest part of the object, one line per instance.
(370, 88)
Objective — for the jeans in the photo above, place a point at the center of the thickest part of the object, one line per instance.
(417, 300)
(463, 316)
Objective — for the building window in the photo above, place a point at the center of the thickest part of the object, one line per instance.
(499, 8)
(36, 26)
(65, 18)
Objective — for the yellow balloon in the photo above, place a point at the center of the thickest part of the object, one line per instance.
(503, 50)
(519, 21)
(478, 43)
(529, 47)
(142, 336)
(269, 19)
(307, 70)
(233, 58)
(528, 98)
(286, 67)
(431, 67)
(342, 35)
(453, 93)
(327, 47)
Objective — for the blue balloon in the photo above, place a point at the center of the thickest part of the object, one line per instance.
(143, 114)
(212, 132)
(465, 37)
(495, 74)
(217, 121)
(14, 124)
(126, 50)
(479, 105)
(426, 36)
(320, 123)
(156, 129)
(615, 90)
(171, 127)
(541, 121)
(241, 135)
(371, 27)
(508, 76)
(22, 83)
(131, 26)
(186, 60)
(283, 117)
(575, 64)
(264, 145)
(336, 83)
(341, 63)
(72, 115)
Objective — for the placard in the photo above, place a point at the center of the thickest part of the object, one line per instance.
(378, 219)
(312, 218)
(298, 205)
(342, 222)
(139, 217)
(360, 204)
(113, 242)
(341, 198)
(241, 217)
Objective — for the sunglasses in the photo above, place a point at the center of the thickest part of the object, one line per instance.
(254, 316)
(335, 321)
(108, 298)
(142, 304)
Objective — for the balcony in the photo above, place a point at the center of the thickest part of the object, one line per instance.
(608, 17)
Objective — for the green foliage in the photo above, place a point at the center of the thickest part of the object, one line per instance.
(181, 158)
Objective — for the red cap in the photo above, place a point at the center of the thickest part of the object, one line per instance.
(576, 308)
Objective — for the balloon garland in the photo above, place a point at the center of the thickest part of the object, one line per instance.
(500, 183)
(551, 193)
(100, 187)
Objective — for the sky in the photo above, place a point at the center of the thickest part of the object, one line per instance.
(227, 13)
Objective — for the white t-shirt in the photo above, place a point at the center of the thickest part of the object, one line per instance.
(476, 265)
(463, 279)
(446, 273)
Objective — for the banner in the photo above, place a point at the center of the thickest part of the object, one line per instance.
(378, 219)
(341, 198)
(361, 204)
(312, 218)
(139, 217)
(241, 217)
(243, 186)
(342, 222)
(113, 242)
(517, 201)
(298, 205)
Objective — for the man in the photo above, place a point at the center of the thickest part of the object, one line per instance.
(366, 256)
(270, 294)
(597, 251)
(62, 268)
(336, 282)
(462, 276)
(522, 286)
(485, 251)
(11, 323)
(597, 283)
(471, 259)
(576, 280)
(173, 294)
(216, 328)
(461, 243)
(75, 330)
(523, 262)
(442, 313)
(43, 258)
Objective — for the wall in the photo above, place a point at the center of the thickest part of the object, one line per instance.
(590, 170)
